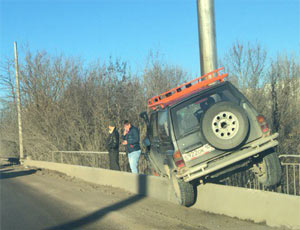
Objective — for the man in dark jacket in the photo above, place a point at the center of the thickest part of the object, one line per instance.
(131, 139)
(112, 145)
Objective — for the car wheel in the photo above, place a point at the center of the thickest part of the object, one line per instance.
(269, 169)
(184, 191)
(225, 125)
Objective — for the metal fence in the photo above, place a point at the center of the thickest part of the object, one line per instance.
(90, 159)
(290, 183)
(291, 174)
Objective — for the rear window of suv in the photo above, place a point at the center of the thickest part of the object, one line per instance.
(187, 115)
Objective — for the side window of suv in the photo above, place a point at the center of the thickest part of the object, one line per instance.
(163, 126)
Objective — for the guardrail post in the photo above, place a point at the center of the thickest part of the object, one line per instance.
(287, 179)
(295, 190)
(73, 160)
(61, 158)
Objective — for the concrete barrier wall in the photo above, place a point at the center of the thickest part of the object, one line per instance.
(275, 209)
(152, 186)
(259, 206)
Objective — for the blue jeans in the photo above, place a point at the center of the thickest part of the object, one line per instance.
(133, 159)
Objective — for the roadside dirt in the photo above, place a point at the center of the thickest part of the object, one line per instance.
(104, 207)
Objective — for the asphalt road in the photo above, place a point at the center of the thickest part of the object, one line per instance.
(23, 207)
(41, 199)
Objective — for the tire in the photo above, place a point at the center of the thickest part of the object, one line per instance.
(184, 191)
(225, 125)
(271, 171)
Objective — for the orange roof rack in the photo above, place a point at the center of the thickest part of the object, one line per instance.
(185, 89)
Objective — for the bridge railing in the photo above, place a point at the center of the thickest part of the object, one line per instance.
(91, 159)
(290, 181)
(291, 174)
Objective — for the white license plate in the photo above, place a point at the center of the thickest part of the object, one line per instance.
(198, 152)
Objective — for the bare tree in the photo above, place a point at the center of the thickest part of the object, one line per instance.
(159, 77)
(67, 106)
(284, 98)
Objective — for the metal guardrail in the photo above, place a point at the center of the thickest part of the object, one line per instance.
(291, 171)
(77, 152)
(290, 182)
(84, 152)
(89, 158)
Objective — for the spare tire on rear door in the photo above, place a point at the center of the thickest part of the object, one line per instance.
(225, 125)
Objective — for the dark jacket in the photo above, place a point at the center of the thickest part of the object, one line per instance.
(133, 139)
(112, 142)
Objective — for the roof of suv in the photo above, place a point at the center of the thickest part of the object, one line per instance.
(187, 89)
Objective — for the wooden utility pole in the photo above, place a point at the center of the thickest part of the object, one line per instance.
(18, 104)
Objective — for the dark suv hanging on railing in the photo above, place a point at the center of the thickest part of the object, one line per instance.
(205, 129)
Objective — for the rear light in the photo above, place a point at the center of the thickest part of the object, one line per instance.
(178, 159)
(180, 163)
(260, 119)
(263, 124)
(265, 128)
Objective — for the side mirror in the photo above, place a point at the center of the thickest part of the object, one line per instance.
(146, 142)
(144, 116)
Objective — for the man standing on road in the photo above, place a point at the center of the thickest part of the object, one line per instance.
(131, 139)
(112, 145)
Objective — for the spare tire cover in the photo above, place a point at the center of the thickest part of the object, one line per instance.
(225, 125)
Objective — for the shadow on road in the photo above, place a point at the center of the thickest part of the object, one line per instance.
(10, 161)
(9, 173)
(97, 215)
(5, 165)
(5, 170)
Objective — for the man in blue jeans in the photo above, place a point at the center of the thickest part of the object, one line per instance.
(131, 140)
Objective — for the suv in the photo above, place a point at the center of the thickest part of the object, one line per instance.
(204, 130)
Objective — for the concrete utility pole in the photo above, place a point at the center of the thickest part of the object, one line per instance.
(18, 104)
(207, 36)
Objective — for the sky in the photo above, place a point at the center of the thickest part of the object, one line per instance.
(130, 29)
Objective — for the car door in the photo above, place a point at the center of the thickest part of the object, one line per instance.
(154, 142)
(165, 145)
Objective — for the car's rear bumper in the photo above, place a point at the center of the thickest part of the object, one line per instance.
(249, 150)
